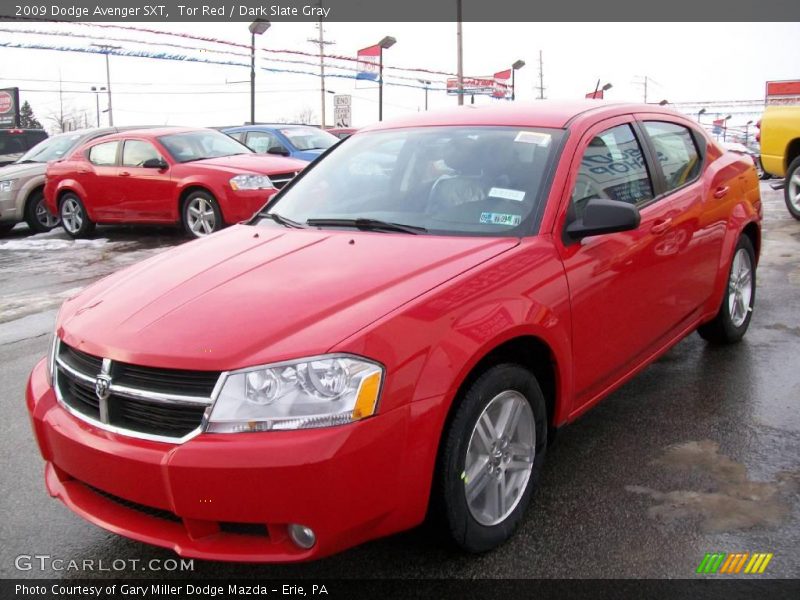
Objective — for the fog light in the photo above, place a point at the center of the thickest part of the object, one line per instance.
(302, 536)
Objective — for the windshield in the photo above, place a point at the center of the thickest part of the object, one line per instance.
(52, 148)
(309, 138)
(445, 180)
(197, 145)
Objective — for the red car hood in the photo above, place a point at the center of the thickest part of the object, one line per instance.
(250, 295)
(251, 163)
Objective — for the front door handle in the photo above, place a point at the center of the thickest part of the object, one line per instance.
(661, 226)
(124, 174)
(721, 191)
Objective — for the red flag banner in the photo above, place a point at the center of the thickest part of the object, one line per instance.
(598, 95)
(502, 84)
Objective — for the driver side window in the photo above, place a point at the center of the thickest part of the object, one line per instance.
(612, 168)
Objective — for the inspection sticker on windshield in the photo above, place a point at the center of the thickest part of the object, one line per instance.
(507, 194)
(533, 137)
(501, 219)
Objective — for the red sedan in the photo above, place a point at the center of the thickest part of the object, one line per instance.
(198, 178)
(404, 327)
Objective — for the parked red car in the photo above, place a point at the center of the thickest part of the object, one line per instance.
(404, 327)
(198, 178)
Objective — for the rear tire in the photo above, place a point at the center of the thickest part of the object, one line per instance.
(38, 218)
(74, 219)
(491, 458)
(201, 215)
(791, 190)
(733, 317)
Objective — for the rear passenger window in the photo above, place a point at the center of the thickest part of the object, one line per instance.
(612, 168)
(103, 155)
(677, 153)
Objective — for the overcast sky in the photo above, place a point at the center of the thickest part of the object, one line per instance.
(683, 62)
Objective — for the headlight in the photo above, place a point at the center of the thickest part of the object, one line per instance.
(251, 182)
(51, 358)
(302, 394)
(6, 185)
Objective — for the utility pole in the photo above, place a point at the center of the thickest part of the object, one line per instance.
(459, 54)
(321, 42)
(106, 49)
(541, 77)
(644, 83)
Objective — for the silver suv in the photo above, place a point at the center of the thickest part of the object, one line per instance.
(22, 183)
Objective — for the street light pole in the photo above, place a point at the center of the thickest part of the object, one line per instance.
(514, 68)
(425, 83)
(725, 128)
(384, 44)
(747, 131)
(97, 91)
(106, 49)
(700, 112)
(257, 27)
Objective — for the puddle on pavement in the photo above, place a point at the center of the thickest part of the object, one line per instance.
(736, 502)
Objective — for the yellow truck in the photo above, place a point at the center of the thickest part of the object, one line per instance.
(780, 139)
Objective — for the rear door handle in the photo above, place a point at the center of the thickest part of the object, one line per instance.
(83, 171)
(124, 174)
(721, 191)
(661, 226)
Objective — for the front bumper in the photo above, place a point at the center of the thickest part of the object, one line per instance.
(8, 206)
(230, 496)
(241, 205)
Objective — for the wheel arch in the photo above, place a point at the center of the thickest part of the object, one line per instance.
(526, 350)
(792, 152)
(189, 189)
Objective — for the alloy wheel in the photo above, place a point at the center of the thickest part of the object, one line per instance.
(740, 287)
(44, 217)
(201, 217)
(72, 215)
(499, 458)
(794, 190)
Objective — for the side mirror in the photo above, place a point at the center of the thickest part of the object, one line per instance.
(278, 150)
(604, 216)
(155, 163)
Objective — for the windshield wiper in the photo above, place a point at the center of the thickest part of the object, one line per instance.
(286, 222)
(27, 161)
(188, 160)
(370, 224)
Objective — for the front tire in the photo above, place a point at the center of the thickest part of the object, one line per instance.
(74, 219)
(791, 190)
(492, 456)
(733, 317)
(201, 215)
(38, 218)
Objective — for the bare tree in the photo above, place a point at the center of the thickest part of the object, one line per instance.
(305, 115)
(65, 119)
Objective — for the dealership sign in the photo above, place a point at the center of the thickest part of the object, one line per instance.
(9, 107)
(471, 85)
(783, 92)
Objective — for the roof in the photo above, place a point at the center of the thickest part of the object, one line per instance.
(543, 113)
(154, 131)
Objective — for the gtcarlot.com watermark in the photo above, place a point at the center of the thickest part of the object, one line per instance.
(47, 562)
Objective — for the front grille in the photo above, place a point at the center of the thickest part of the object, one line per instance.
(141, 401)
(150, 511)
(281, 179)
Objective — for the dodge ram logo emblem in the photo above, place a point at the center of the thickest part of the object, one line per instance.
(102, 387)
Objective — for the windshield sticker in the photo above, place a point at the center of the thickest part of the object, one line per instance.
(533, 137)
(501, 219)
(506, 194)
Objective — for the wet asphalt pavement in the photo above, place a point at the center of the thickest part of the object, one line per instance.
(699, 453)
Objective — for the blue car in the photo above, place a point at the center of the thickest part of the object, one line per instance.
(297, 141)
